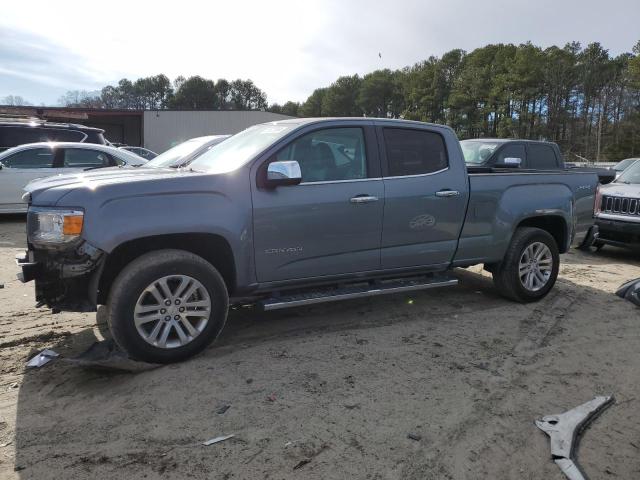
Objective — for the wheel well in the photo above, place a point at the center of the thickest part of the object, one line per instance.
(213, 248)
(555, 225)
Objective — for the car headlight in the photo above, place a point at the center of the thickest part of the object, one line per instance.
(54, 227)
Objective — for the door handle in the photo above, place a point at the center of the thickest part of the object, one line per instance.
(363, 199)
(447, 193)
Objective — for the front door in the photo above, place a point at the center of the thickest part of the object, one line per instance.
(18, 170)
(331, 222)
(425, 199)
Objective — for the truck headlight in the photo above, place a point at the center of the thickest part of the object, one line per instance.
(52, 226)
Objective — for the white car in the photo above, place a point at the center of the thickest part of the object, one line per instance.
(19, 165)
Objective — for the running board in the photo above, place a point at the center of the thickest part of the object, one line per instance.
(346, 293)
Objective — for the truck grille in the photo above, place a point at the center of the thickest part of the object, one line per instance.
(620, 205)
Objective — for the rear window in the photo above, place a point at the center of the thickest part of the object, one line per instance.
(542, 157)
(414, 152)
(12, 136)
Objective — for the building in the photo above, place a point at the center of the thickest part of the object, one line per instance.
(157, 130)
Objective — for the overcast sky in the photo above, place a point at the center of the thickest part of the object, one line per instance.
(288, 48)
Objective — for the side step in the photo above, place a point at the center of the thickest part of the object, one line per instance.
(362, 289)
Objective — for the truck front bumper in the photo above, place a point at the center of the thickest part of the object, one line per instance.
(64, 280)
(618, 233)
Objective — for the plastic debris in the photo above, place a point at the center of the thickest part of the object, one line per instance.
(414, 436)
(218, 439)
(301, 463)
(630, 291)
(563, 430)
(44, 357)
(223, 409)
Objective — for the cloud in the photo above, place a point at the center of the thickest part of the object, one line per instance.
(288, 47)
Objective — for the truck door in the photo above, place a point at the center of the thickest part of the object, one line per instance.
(425, 198)
(331, 222)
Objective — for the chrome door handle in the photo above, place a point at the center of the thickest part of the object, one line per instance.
(447, 193)
(363, 199)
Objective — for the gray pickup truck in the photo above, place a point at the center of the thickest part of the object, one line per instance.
(291, 213)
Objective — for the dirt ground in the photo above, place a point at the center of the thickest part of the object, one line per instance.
(332, 391)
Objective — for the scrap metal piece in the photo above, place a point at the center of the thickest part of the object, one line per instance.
(563, 430)
(630, 291)
(44, 357)
(218, 439)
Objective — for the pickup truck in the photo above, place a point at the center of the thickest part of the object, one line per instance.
(291, 213)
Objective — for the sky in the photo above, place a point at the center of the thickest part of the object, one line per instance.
(287, 47)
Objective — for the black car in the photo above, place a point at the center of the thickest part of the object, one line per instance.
(14, 132)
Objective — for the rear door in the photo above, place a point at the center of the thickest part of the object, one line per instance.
(331, 222)
(425, 198)
(18, 170)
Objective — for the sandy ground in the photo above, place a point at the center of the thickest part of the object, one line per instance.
(332, 391)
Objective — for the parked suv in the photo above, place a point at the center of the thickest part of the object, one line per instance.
(18, 131)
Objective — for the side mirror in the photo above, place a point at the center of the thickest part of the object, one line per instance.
(283, 173)
(510, 162)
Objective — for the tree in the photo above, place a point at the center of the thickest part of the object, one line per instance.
(341, 98)
(312, 107)
(381, 94)
(195, 93)
(246, 96)
(14, 101)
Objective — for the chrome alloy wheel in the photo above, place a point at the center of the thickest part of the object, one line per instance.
(535, 266)
(172, 311)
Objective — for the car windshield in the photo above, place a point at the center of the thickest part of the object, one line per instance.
(631, 174)
(181, 150)
(620, 166)
(241, 148)
(477, 152)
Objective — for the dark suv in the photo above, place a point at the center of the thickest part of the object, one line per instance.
(14, 132)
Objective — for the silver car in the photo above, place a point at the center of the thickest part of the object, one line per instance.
(19, 165)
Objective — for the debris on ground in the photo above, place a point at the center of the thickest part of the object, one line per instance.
(630, 291)
(271, 397)
(414, 436)
(223, 409)
(106, 355)
(218, 439)
(563, 430)
(44, 357)
(301, 463)
(1, 285)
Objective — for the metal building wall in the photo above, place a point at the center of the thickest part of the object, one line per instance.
(166, 128)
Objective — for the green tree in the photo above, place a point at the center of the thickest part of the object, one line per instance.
(341, 98)
(196, 93)
(312, 107)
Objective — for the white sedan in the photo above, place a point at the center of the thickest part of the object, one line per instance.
(19, 165)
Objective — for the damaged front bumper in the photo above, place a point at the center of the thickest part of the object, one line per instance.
(66, 280)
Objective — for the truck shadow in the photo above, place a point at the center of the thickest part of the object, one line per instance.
(75, 423)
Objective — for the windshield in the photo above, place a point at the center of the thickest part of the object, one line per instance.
(477, 152)
(181, 150)
(241, 148)
(620, 166)
(631, 174)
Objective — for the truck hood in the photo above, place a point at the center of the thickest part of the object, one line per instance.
(47, 191)
(631, 190)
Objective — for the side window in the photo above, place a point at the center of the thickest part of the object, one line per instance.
(85, 158)
(330, 154)
(542, 157)
(54, 135)
(513, 151)
(36, 158)
(13, 136)
(414, 152)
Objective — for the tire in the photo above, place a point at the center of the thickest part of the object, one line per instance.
(598, 245)
(506, 276)
(198, 305)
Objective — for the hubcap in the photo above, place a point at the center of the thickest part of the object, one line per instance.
(536, 264)
(172, 311)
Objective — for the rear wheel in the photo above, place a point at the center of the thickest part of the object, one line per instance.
(530, 266)
(166, 306)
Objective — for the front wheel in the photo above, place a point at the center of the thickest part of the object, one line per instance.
(166, 306)
(530, 266)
